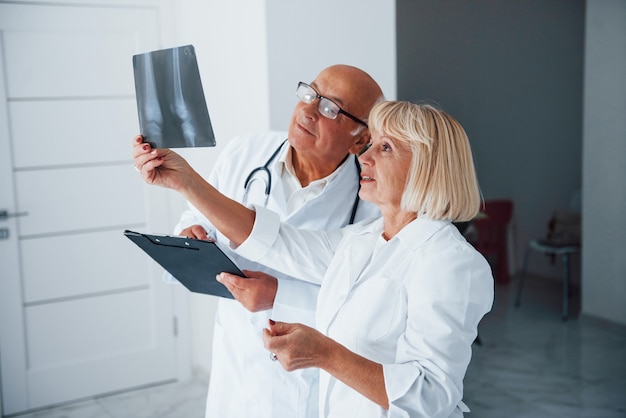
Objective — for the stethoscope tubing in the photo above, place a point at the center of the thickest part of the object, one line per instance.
(268, 183)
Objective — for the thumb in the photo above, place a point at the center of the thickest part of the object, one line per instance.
(229, 278)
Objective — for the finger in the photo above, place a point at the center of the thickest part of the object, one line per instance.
(232, 280)
(227, 284)
(141, 147)
(267, 338)
(198, 232)
(271, 342)
(148, 162)
(194, 231)
(142, 157)
(232, 283)
(253, 274)
(278, 328)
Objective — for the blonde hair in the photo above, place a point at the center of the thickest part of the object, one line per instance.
(442, 181)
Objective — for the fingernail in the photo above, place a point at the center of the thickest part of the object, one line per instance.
(139, 139)
(146, 147)
(272, 322)
(218, 277)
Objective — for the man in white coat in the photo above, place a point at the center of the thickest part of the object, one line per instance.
(309, 177)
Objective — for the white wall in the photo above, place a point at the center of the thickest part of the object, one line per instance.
(604, 162)
(251, 55)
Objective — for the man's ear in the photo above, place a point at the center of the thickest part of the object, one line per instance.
(361, 141)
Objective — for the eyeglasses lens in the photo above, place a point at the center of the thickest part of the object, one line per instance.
(325, 106)
(306, 93)
(328, 108)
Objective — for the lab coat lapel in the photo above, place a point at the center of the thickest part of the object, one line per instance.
(353, 264)
(348, 265)
(277, 201)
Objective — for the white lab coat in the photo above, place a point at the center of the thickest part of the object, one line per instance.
(412, 304)
(244, 381)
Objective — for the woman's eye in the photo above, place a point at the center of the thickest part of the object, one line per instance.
(386, 147)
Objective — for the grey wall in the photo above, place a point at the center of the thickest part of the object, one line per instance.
(604, 161)
(304, 37)
(511, 72)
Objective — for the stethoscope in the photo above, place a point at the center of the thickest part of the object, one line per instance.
(263, 174)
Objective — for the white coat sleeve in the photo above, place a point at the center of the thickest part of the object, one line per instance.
(299, 253)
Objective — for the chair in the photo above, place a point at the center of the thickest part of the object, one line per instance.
(491, 235)
(563, 240)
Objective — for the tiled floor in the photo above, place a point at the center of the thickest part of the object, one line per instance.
(530, 365)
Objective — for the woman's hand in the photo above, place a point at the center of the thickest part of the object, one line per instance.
(161, 167)
(297, 346)
(165, 168)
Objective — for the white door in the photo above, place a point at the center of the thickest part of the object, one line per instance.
(82, 310)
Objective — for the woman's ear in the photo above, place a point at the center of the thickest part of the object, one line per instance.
(361, 141)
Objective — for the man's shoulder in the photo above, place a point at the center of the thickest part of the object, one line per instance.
(245, 152)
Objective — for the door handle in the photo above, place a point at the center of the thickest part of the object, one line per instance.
(4, 214)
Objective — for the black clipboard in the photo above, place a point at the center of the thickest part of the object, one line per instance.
(192, 262)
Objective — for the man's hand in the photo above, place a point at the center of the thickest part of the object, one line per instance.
(196, 232)
(256, 292)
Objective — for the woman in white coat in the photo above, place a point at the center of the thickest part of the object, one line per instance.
(401, 296)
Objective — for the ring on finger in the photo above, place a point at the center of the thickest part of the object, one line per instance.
(273, 357)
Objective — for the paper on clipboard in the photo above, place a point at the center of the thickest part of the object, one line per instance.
(194, 263)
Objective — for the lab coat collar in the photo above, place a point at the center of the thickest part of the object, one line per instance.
(419, 231)
(407, 241)
(413, 235)
(357, 260)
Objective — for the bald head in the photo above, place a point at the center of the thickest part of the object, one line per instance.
(353, 89)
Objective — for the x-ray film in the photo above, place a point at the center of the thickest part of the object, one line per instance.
(170, 99)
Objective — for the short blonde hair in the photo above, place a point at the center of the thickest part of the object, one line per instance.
(442, 181)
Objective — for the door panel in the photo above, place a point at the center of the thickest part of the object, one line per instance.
(83, 312)
(109, 253)
(103, 197)
(89, 139)
(55, 333)
(48, 59)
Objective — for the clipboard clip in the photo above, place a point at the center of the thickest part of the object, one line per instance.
(167, 240)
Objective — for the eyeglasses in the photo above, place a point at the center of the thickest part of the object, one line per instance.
(326, 107)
